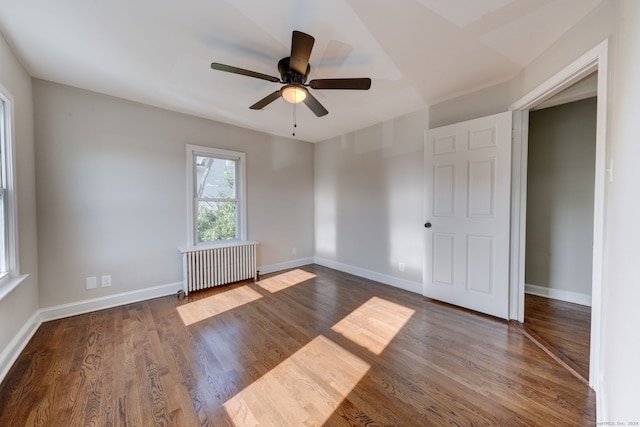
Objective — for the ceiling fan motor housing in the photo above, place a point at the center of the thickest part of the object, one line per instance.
(288, 75)
(294, 71)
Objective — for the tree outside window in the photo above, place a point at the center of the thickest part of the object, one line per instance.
(216, 199)
(216, 179)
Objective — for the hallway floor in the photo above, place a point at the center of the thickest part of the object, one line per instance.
(563, 327)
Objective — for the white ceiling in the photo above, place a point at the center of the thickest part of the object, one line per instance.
(158, 52)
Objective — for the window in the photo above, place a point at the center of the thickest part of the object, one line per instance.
(216, 188)
(8, 260)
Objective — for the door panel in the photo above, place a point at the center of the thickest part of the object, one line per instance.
(443, 190)
(481, 188)
(480, 260)
(467, 202)
(443, 258)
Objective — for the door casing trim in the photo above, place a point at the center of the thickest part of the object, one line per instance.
(594, 60)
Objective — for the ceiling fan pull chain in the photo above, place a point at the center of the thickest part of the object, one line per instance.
(294, 71)
(295, 125)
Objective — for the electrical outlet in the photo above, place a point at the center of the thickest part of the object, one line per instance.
(401, 266)
(105, 281)
(294, 251)
(91, 282)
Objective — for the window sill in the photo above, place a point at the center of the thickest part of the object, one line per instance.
(8, 284)
(213, 245)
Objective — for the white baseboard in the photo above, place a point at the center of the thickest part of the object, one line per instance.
(94, 304)
(19, 342)
(567, 296)
(10, 354)
(396, 282)
(272, 268)
(601, 404)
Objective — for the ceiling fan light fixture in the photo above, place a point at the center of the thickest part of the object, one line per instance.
(293, 71)
(294, 93)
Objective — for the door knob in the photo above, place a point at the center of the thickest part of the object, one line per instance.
(427, 224)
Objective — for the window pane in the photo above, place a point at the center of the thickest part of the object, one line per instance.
(216, 221)
(4, 244)
(3, 235)
(217, 211)
(216, 178)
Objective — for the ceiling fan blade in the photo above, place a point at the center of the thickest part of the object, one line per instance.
(266, 101)
(353, 84)
(315, 106)
(301, 45)
(243, 72)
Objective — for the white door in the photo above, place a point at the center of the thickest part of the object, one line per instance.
(467, 206)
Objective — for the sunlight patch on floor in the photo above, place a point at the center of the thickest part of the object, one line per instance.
(285, 280)
(374, 324)
(305, 389)
(213, 305)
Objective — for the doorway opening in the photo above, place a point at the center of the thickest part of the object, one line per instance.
(523, 270)
(559, 223)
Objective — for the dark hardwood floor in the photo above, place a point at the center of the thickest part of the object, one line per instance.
(564, 328)
(310, 346)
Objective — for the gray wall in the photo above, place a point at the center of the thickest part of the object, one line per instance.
(619, 22)
(621, 341)
(111, 191)
(22, 303)
(369, 200)
(560, 185)
(485, 102)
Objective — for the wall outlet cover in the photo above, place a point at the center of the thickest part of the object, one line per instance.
(105, 281)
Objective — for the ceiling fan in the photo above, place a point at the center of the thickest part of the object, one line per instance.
(294, 71)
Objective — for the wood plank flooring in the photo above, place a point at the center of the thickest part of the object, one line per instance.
(564, 328)
(309, 346)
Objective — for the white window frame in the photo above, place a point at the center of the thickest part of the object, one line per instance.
(240, 181)
(9, 274)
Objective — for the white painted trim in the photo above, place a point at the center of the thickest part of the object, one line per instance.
(559, 294)
(216, 245)
(594, 60)
(572, 73)
(519, 155)
(109, 301)
(272, 268)
(8, 284)
(602, 416)
(599, 212)
(10, 354)
(241, 187)
(19, 342)
(396, 282)
(12, 249)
